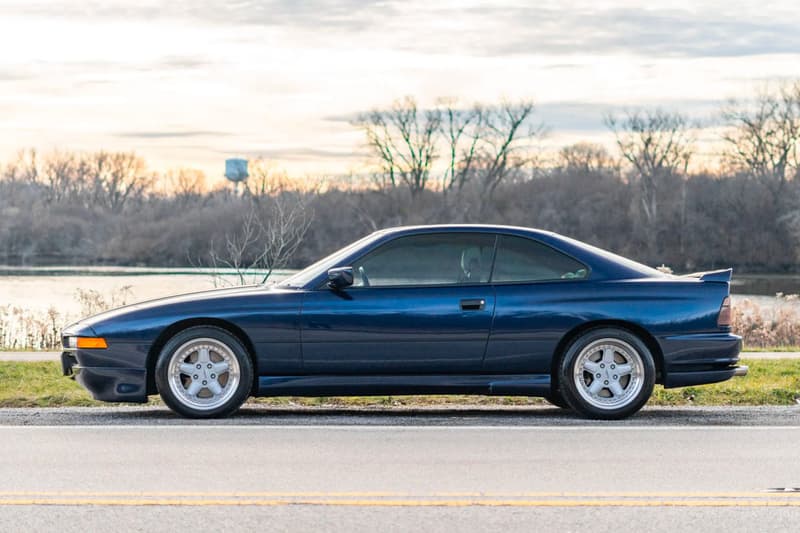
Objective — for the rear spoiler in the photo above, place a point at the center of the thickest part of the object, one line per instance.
(723, 276)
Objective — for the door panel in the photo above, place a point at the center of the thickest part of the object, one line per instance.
(396, 330)
(419, 304)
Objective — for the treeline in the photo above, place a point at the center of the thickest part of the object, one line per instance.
(442, 165)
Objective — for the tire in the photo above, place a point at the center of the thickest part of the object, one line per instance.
(204, 372)
(555, 398)
(607, 373)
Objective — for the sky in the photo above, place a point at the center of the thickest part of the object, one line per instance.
(192, 82)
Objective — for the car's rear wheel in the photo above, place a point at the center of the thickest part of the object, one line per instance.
(204, 372)
(607, 373)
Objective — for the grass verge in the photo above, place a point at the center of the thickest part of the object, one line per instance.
(771, 349)
(770, 382)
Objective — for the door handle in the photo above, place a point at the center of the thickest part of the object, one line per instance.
(473, 304)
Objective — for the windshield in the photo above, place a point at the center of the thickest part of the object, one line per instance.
(302, 278)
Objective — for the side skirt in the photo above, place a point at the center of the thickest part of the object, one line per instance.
(504, 385)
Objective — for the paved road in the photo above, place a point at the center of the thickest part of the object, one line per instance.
(56, 356)
(422, 470)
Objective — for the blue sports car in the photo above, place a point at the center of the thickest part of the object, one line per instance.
(470, 309)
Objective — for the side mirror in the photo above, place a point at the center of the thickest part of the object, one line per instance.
(339, 278)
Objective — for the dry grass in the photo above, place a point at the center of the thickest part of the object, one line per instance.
(768, 326)
(23, 329)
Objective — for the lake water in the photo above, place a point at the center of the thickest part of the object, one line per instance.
(38, 289)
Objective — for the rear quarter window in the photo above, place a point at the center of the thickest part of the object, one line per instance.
(520, 259)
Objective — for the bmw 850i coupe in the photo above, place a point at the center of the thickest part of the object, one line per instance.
(461, 309)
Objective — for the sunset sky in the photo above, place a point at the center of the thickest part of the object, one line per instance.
(191, 82)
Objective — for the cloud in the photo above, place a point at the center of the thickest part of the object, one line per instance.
(181, 63)
(182, 134)
(9, 74)
(709, 29)
(588, 117)
(299, 153)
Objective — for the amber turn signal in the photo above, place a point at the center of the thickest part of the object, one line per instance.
(91, 342)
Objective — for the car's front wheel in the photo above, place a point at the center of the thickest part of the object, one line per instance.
(555, 398)
(204, 372)
(607, 373)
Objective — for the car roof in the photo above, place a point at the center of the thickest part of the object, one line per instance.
(478, 228)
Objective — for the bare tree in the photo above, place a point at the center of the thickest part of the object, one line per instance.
(505, 134)
(24, 168)
(658, 145)
(265, 241)
(185, 183)
(461, 130)
(63, 174)
(587, 158)
(117, 177)
(266, 179)
(403, 140)
(763, 136)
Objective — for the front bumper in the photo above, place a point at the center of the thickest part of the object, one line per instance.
(107, 384)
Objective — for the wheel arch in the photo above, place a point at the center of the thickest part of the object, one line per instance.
(175, 328)
(645, 336)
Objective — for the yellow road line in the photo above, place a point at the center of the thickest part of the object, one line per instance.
(183, 502)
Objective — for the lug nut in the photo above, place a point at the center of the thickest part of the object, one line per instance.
(213, 376)
(602, 365)
(612, 367)
(598, 375)
(615, 377)
(199, 366)
(209, 365)
(205, 382)
(604, 383)
(195, 376)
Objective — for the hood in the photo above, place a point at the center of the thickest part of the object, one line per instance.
(181, 300)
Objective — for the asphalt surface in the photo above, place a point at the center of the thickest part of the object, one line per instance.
(469, 469)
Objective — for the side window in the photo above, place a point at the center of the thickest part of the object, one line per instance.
(431, 259)
(520, 259)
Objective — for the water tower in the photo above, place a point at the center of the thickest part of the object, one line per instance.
(236, 171)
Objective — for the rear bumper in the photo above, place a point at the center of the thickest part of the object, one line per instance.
(685, 379)
(107, 384)
(700, 359)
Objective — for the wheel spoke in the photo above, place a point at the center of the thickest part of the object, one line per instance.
(616, 388)
(187, 368)
(624, 370)
(591, 366)
(203, 355)
(214, 387)
(219, 368)
(194, 388)
(608, 355)
(596, 387)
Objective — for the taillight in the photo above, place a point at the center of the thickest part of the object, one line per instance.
(724, 318)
